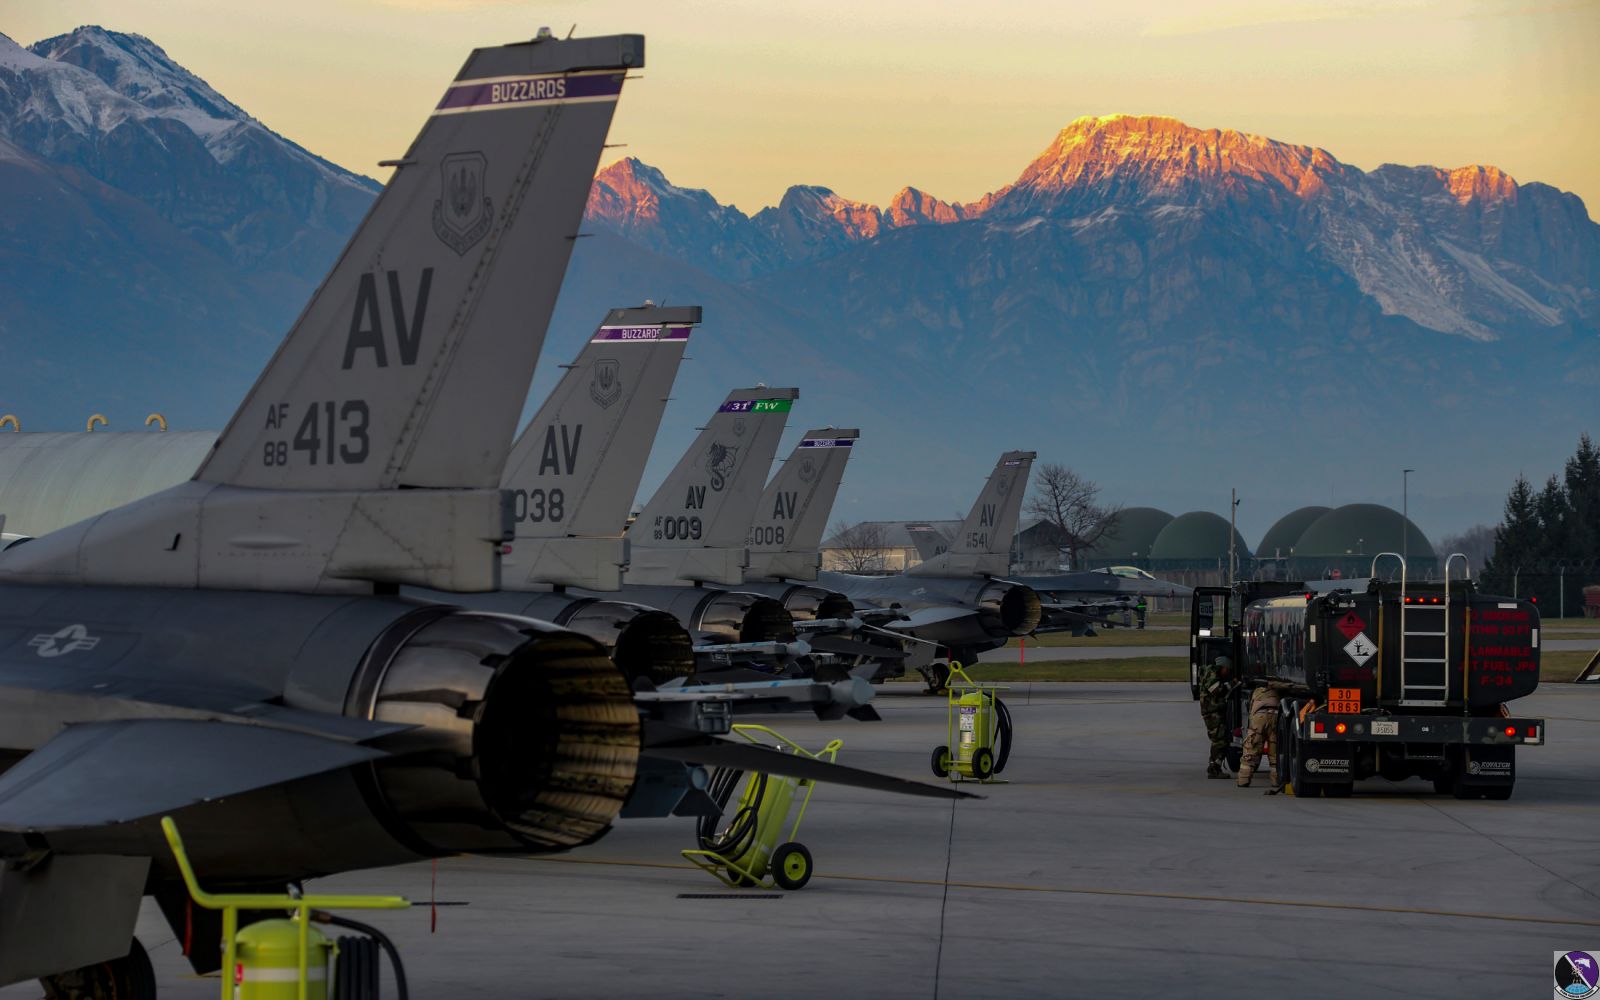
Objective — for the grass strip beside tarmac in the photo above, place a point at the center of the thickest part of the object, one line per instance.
(1106, 637)
(1134, 668)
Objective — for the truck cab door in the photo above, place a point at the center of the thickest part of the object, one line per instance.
(1211, 631)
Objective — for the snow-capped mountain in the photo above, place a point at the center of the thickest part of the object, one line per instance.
(117, 107)
(1150, 302)
(1466, 251)
(152, 233)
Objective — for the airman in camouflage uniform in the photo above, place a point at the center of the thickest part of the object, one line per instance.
(1215, 684)
(1261, 729)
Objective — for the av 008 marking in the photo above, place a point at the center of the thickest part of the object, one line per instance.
(765, 535)
(331, 431)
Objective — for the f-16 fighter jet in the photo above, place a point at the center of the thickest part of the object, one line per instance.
(785, 556)
(958, 602)
(234, 650)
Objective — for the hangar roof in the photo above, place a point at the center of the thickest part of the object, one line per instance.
(1198, 534)
(51, 480)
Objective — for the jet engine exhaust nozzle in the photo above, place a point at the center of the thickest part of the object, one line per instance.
(644, 642)
(526, 735)
(1012, 608)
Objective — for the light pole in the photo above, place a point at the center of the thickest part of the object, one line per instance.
(1562, 566)
(1233, 559)
(1405, 509)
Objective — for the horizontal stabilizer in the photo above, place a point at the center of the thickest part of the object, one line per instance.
(116, 772)
(935, 615)
(749, 757)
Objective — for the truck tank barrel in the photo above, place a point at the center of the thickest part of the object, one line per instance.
(1421, 649)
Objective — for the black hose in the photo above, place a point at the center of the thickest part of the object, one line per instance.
(741, 831)
(383, 942)
(1004, 753)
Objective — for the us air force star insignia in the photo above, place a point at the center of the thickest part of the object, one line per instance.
(463, 212)
(68, 640)
(606, 386)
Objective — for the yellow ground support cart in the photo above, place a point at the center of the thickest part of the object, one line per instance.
(979, 731)
(745, 849)
(287, 959)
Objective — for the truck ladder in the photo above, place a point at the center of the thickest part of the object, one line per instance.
(1424, 645)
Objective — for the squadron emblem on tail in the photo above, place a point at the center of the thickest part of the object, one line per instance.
(463, 212)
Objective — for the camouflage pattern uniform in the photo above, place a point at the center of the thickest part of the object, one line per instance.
(1213, 700)
(1261, 730)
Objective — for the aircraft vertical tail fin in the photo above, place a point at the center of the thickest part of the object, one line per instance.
(982, 547)
(693, 530)
(928, 540)
(575, 469)
(793, 513)
(370, 449)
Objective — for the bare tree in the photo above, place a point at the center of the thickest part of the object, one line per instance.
(858, 548)
(1065, 501)
(1477, 542)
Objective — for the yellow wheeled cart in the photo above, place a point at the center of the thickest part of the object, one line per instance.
(979, 731)
(284, 959)
(744, 851)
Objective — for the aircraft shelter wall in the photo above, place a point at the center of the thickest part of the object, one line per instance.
(51, 480)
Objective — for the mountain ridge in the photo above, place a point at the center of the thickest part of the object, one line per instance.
(1148, 301)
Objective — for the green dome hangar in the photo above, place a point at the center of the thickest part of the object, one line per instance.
(1193, 549)
(1128, 541)
(1341, 544)
(1278, 544)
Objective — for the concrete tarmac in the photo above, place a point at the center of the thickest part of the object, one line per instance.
(1110, 651)
(1108, 866)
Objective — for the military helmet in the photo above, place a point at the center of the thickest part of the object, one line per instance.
(1222, 663)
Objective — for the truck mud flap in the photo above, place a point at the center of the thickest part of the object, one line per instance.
(1480, 764)
(1325, 764)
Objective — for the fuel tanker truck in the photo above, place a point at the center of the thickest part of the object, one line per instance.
(1390, 679)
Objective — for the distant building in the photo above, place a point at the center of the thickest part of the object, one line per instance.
(885, 546)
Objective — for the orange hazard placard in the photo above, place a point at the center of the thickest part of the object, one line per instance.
(1344, 701)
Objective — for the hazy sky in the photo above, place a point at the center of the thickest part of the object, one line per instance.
(746, 98)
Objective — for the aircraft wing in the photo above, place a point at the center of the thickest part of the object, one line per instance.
(101, 773)
(711, 752)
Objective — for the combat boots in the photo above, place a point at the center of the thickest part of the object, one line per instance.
(1214, 769)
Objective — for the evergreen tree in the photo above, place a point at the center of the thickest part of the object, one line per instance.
(1551, 537)
(1516, 540)
(1583, 497)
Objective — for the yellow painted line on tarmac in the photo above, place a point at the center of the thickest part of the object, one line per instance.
(1128, 893)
